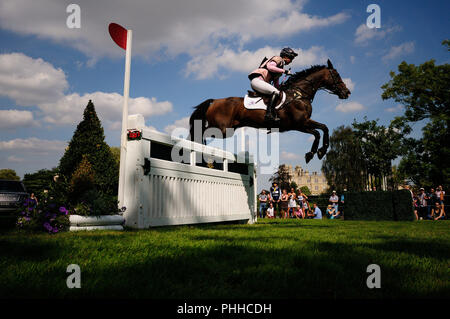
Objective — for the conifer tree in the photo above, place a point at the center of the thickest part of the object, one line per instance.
(89, 141)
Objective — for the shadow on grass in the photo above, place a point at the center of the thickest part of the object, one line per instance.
(227, 267)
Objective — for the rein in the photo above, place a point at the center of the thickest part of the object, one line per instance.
(299, 95)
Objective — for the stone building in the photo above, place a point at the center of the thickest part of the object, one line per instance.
(317, 183)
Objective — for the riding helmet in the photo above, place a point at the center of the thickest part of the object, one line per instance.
(288, 53)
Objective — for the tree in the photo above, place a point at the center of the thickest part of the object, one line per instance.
(344, 166)
(424, 91)
(426, 163)
(39, 181)
(305, 190)
(282, 176)
(380, 145)
(7, 173)
(115, 150)
(88, 140)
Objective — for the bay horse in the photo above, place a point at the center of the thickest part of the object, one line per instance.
(295, 114)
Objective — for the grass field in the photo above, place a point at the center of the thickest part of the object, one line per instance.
(271, 259)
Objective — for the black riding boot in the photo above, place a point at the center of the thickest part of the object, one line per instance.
(271, 115)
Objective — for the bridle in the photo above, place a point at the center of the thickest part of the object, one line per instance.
(335, 89)
(310, 95)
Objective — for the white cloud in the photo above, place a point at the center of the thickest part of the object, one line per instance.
(189, 26)
(350, 107)
(26, 155)
(33, 144)
(30, 81)
(397, 51)
(15, 119)
(15, 159)
(289, 156)
(352, 59)
(397, 108)
(108, 106)
(181, 123)
(364, 34)
(206, 66)
(349, 83)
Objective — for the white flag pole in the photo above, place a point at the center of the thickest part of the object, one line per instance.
(123, 137)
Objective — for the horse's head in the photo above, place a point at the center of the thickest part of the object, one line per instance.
(334, 83)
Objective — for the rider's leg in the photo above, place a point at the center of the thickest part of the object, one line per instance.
(261, 86)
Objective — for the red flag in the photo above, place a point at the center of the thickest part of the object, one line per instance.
(118, 34)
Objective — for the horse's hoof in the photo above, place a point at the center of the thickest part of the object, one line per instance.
(321, 153)
(309, 156)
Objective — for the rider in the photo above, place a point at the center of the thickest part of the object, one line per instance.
(270, 71)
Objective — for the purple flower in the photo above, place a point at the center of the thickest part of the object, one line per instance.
(63, 210)
(48, 226)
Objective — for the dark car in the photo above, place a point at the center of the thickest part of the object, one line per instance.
(12, 195)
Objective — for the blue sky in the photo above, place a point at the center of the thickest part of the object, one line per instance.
(187, 51)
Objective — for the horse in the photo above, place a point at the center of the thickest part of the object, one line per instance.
(295, 114)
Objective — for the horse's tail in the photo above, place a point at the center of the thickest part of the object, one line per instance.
(199, 114)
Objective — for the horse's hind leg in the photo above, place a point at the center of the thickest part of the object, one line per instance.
(315, 145)
(316, 125)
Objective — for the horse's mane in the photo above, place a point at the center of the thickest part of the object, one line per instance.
(303, 74)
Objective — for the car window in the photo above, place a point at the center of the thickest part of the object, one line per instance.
(11, 186)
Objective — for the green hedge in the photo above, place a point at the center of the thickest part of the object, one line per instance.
(393, 205)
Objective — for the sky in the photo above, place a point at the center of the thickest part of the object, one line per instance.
(185, 52)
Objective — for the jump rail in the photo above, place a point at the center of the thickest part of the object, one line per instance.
(159, 191)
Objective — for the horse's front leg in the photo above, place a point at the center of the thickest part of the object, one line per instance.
(315, 145)
(326, 139)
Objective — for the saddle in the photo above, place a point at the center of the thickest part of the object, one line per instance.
(265, 97)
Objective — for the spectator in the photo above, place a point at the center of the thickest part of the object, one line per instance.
(284, 204)
(334, 199)
(33, 201)
(292, 203)
(438, 212)
(316, 213)
(440, 195)
(263, 199)
(422, 204)
(431, 200)
(299, 213)
(330, 211)
(416, 206)
(275, 194)
(270, 212)
(305, 206)
(341, 211)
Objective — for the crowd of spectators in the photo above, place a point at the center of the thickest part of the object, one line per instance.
(279, 203)
(429, 205)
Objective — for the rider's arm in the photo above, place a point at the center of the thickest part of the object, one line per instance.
(272, 67)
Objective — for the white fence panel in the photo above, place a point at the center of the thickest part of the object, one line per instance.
(172, 193)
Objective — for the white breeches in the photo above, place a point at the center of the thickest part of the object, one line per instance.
(261, 86)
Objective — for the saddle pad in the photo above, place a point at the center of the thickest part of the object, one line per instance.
(257, 103)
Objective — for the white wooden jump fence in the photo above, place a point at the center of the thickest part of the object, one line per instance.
(159, 191)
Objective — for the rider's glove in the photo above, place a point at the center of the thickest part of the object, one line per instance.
(287, 72)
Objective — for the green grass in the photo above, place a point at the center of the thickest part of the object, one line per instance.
(276, 259)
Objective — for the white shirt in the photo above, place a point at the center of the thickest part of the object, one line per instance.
(270, 211)
(334, 198)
